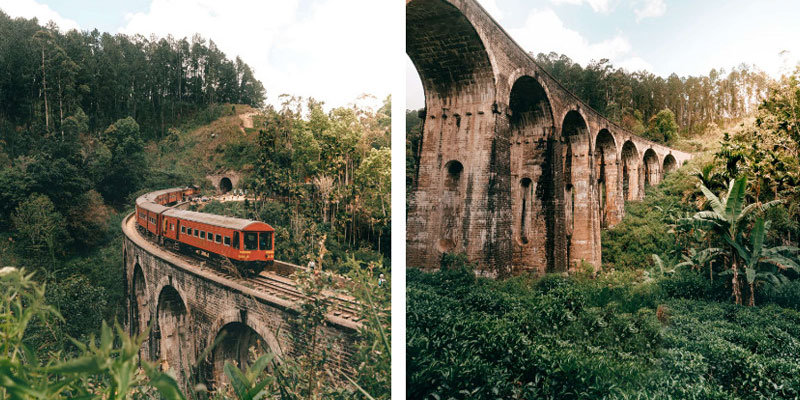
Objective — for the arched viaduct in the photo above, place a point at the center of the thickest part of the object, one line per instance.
(515, 171)
(189, 307)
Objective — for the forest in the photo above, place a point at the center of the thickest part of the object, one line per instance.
(88, 122)
(697, 293)
(634, 99)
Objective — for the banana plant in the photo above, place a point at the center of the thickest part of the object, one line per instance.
(250, 385)
(728, 218)
(698, 259)
(763, 263)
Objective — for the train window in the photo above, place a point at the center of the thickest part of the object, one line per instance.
(202, 234)
(227, 240)
(219, 239)
(172, 227)
(183, 229)
(196, 232)
(235, 240)
(189, 231)
(251, 240)
(265, 241)
(210, 237)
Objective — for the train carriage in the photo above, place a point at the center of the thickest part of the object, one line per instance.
(249, 245)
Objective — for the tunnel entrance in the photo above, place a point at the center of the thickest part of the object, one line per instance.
(225, 185)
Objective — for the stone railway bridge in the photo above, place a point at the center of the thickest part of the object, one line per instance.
(515, 171)
(190, 306)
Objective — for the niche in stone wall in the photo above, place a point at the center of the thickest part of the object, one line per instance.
(452, 204)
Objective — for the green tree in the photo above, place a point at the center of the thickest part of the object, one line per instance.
(105, 368)
(662, 127)
(39, 228)
(373, 179)
(128, 166)
(728, 218)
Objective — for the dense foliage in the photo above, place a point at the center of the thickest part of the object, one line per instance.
(331, 170)
(50, 76)
(634, 98)
(621, 335)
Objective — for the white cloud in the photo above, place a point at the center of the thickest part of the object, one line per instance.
(601, 6)
(649, 9)
(491, 7)
(634, 64)
(30, 9)
(334, 51)
(544, 32)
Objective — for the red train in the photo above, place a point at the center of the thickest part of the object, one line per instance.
(249, 245)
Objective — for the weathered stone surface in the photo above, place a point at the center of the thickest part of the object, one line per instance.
(515, 171)
(189, 307)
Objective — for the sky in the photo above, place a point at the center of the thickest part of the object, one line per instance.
(686, 37)
(332, 50)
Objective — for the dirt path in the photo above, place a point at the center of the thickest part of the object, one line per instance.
(247, 120)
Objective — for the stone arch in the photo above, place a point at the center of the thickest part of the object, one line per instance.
(240, 345)
(434, 30)
(138, 301)
(225, 185)
(578, 181)
(172, 335)
(650, 166)
(669, 164)
(452, 205)
(240, 337)
(630, 171)
(532, 156)
(605, 156)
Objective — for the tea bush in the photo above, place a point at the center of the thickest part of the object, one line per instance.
(621, 335)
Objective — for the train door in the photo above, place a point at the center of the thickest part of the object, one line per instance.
(177, 229)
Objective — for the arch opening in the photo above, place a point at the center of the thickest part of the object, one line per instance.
(532, 153)
(578, 180)
(452, 204)
(630, 167)
(238, 344)
(605, 155)
(652, 175)
(433, 29)
(171, 333)
(138, 301)
(669, 164)
(225, 185)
